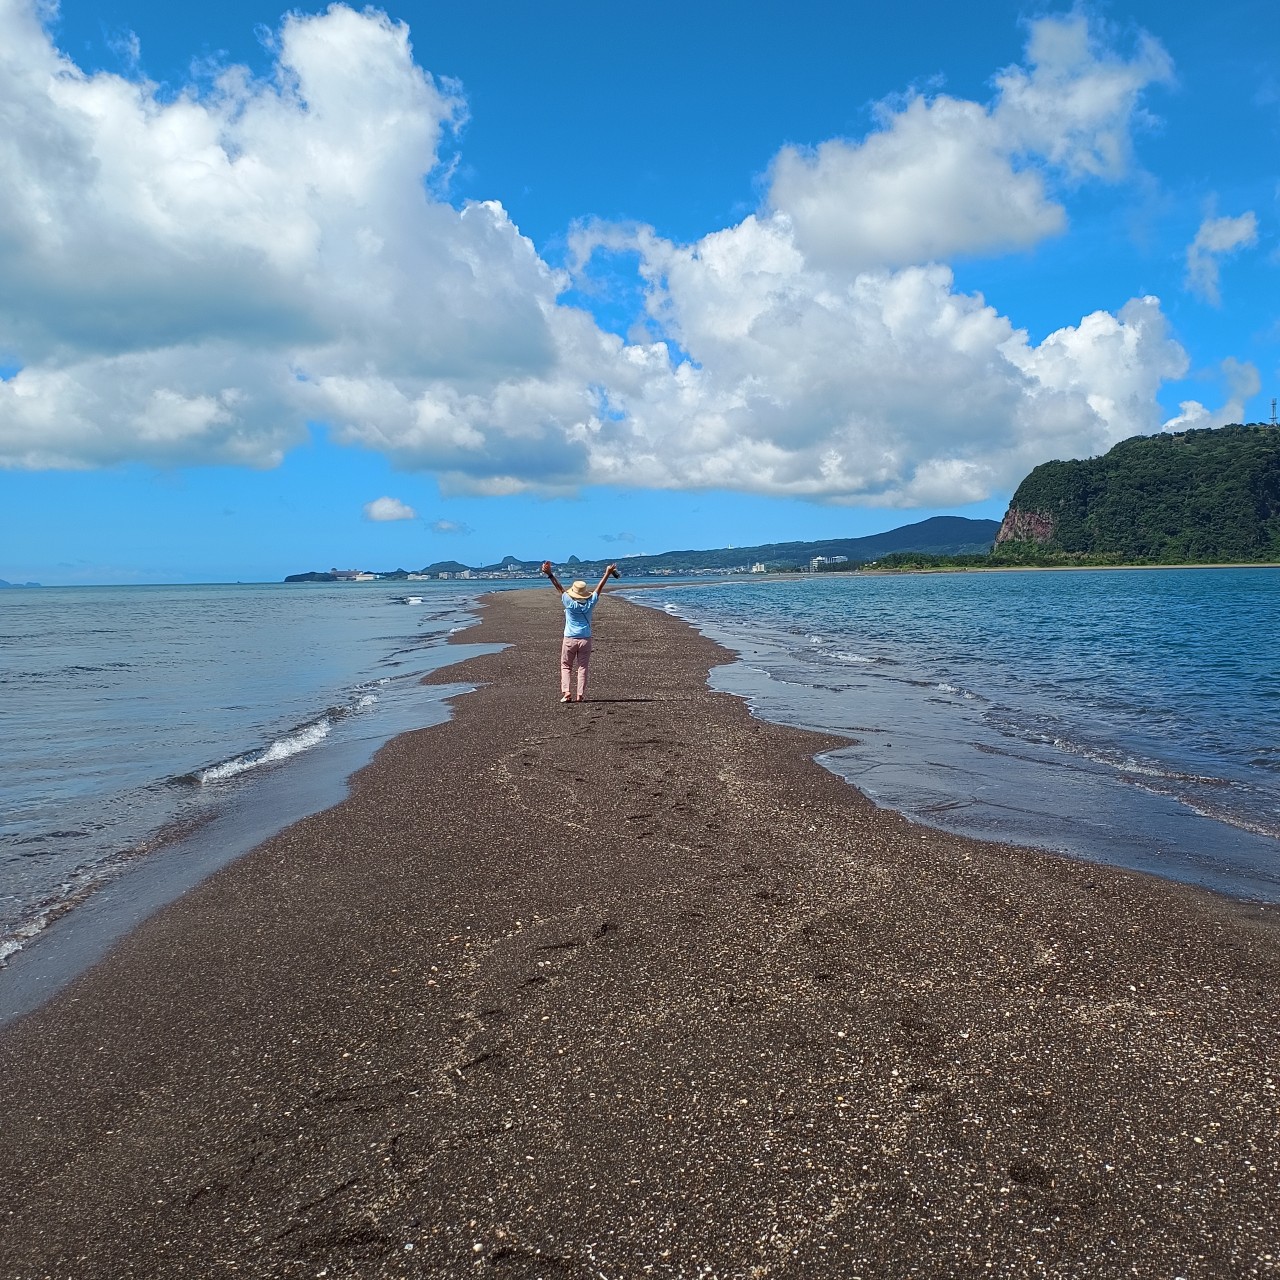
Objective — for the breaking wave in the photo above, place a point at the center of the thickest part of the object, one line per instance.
(302, 738)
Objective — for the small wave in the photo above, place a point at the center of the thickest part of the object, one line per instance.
(12, 945)
(1126, 764)
(73, 890)
(281, 749)
(877, 660)
(297, 740)
(956, 691)
(1202, 809)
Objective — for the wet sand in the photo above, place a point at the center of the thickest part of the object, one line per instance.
(636, 988)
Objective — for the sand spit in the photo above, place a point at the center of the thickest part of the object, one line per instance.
(635, 988)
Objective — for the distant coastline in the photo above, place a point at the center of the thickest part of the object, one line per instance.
(937, 536)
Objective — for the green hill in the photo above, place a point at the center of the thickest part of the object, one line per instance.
(1199, 497)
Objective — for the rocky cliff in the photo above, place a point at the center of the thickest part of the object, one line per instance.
(1026, 526)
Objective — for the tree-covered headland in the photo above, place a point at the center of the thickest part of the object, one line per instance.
(1194, 497)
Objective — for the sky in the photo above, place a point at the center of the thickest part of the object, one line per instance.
(284, 290)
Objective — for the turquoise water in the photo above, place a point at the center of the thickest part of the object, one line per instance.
(1131, 717)
(132, 714)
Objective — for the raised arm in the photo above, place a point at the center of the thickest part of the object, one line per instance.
(610, 572)
(551, 573)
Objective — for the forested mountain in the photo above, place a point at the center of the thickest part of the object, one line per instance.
(1205, 496)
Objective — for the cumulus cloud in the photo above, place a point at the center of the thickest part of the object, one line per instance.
(383, 509)
(942, 176)
(449, 526)
(1216, 239)
(191, 278)
(1242, 381)
(215, 252)
(890, 388)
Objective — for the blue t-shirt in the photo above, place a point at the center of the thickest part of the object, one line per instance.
(577, 616)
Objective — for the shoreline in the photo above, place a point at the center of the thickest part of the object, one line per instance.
(643, 985)
(1158, 814)
(1055, 568)
(995, 568)
(64, 936)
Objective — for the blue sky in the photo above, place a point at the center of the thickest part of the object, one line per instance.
(372, 288)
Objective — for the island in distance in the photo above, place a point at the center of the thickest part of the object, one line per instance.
(939, 536)
(4, 584)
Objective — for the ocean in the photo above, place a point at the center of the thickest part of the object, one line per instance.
(151, 733)
(1130, 717)
(182, 725)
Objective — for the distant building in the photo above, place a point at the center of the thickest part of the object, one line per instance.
(758, 567)
(818, 561)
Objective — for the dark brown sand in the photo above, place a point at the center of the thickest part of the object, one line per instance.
(635, 988)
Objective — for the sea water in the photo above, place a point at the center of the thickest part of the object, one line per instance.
(1127, 716)
(133, 717)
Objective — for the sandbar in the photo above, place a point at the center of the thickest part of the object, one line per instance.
(636, 988)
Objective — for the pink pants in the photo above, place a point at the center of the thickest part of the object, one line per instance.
(574, 652)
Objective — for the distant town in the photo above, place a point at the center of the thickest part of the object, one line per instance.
(396, 575)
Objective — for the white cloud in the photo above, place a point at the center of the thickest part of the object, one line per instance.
(941, 176)
(191, 279)
(449, 526)
(1243, 381)
(936, 181)
(1217, 238)
(891, 388)
(382, 509)
(1077, 105)
(216, 250)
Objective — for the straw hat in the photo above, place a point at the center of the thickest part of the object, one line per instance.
(580, 590)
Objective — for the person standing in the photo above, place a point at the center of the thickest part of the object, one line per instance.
(579, 602)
